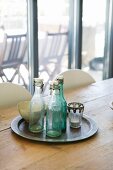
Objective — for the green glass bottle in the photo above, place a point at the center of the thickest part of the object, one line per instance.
(37, 108)
(53, 117)
(63, 103)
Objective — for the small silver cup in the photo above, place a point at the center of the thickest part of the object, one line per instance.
(75, 111)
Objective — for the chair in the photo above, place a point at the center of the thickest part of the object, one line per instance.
(97, 64)
(74, 78)
(13, 56)
(52, 53)
(11, 94)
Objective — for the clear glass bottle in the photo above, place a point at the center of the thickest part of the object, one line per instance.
(47, 97)
(50, 88)
(53, 117)
(37, 109)
(63, 103)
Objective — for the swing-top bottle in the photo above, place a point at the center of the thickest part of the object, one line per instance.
(63, 103)
(47, 98)
(53, 117)
(37, 109)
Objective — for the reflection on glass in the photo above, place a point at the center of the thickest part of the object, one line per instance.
(93, 36)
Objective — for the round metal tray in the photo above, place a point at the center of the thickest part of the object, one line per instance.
(88, 128)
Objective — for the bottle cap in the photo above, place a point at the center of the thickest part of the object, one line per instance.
(55, 84)
(60, 78)
(38, 81)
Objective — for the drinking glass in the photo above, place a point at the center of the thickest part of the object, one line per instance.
(75, 111)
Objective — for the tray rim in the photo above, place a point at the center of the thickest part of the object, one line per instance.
(93, 130)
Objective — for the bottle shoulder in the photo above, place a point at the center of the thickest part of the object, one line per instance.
(63, 99)
(38, 100)
(54, 103)
(37, 96)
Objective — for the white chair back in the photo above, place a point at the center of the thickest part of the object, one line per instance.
(11, 94)
(74, 78)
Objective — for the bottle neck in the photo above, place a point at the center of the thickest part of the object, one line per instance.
(51, 91)
(38, 90)
(55, 92)
(61, 89)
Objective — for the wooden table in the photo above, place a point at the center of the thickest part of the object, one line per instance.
(95, 153)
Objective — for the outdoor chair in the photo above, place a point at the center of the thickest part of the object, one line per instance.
(97, 64)
(74, 78)
(13, 56)
(52, 53)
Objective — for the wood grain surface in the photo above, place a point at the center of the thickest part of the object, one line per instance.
(95, 153)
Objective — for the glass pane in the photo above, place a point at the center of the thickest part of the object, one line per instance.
(53, 37)
(93, 37)
(13, 43)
